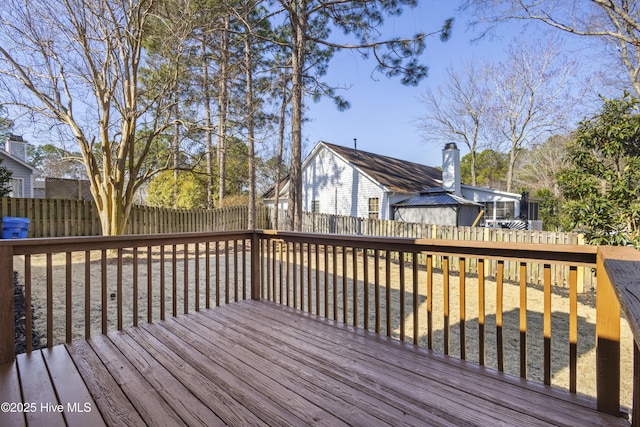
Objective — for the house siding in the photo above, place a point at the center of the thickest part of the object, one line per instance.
(19, 171)
(457, 216)
(482, 195)
(340, 188)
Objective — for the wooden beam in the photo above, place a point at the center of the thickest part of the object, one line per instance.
(7, 326)
(607, 339)
(255, 266)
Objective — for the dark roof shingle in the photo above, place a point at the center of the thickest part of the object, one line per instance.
(394, 174)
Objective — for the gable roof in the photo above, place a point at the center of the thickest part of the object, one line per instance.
(393, 174)
(22, 163)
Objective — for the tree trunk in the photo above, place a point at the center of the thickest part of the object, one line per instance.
(222, 105)
(176, 154)
(298, 39)
(512, 163)
(283, 112)
(208, 123)
(474, 178)
(248, 63)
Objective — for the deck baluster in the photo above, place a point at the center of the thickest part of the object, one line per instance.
(523, 320)
(463, 308)
(185, 279)
(162, 283)
(376, 283)
(402, 295)
(446, 302)
(28, 319)
(481, 313)
(68, 297)
(499, 315)
(354, 284)
(174, 280)
(149, 284)
(430, 302)
(387, 272)
(87, 297)
(573, 327)
(547, 324)
(135, 286)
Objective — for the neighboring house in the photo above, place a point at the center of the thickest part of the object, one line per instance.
(14, 156)
(344, 181)
(454, 203)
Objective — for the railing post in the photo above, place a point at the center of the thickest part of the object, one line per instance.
(7, 326)
(255, 266)
(607, 341)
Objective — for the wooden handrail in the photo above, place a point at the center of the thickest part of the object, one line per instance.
(580, 255)
(74, 244)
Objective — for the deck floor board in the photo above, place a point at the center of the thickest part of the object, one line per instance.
(357, 343)
(384, 374)
(257, 363)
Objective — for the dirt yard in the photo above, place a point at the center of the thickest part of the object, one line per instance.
(176, 273)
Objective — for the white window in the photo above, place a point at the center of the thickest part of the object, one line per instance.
(17, 187)
(374, 208)
(500, 210)
(315, 206)
(505, 210)
(534, 211)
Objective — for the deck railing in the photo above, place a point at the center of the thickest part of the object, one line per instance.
(80, 287)
(355, 280)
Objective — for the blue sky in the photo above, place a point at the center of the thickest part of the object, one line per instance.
(383, 112)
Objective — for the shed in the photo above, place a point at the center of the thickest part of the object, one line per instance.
(436, 206)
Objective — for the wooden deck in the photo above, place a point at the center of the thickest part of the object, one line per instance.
(257, 363)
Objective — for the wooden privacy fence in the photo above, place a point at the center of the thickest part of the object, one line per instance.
(336, 224)
(72, 218)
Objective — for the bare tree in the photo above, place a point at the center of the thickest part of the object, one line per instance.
(77, 62)
(615, 23)
(458, 110)
(539, 167)
(531, 97)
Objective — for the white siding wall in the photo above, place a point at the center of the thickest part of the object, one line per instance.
(339, 187)
(442, 215)
(480, 195)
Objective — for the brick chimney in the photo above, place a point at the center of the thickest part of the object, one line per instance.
(451, 169)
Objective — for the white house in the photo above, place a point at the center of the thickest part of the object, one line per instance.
(14, 158)
(460, 205)
(344, 181)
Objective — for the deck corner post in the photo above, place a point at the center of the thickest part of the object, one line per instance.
(7, 326)
(607, 341)
(255, 265)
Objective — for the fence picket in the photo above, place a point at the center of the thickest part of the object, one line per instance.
(71, 218)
